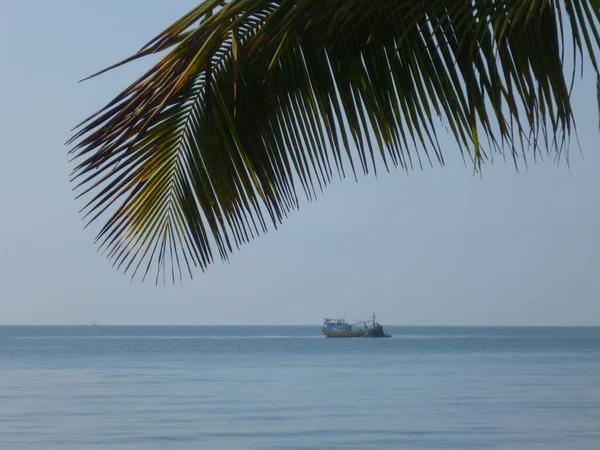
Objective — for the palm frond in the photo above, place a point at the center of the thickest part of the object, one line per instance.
(257, 100)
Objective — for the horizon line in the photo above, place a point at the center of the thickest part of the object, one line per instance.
(287, 325)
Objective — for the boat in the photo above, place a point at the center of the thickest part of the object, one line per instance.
(339, 328)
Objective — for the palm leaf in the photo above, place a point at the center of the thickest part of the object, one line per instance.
(255, 101)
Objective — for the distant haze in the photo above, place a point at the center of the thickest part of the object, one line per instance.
(440, 246)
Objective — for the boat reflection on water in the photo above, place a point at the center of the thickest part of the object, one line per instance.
(341, 329)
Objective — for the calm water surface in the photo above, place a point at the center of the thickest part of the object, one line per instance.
(222, 388)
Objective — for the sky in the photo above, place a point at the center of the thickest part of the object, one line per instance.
(434, 247)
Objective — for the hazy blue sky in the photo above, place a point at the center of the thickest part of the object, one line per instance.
(435, 247)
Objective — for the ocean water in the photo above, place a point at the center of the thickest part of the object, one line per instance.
(262, 388)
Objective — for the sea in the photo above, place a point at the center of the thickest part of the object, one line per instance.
(274, 387)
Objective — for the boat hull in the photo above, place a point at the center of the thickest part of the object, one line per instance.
(339, 328)
(344, 334)
(377, 332)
